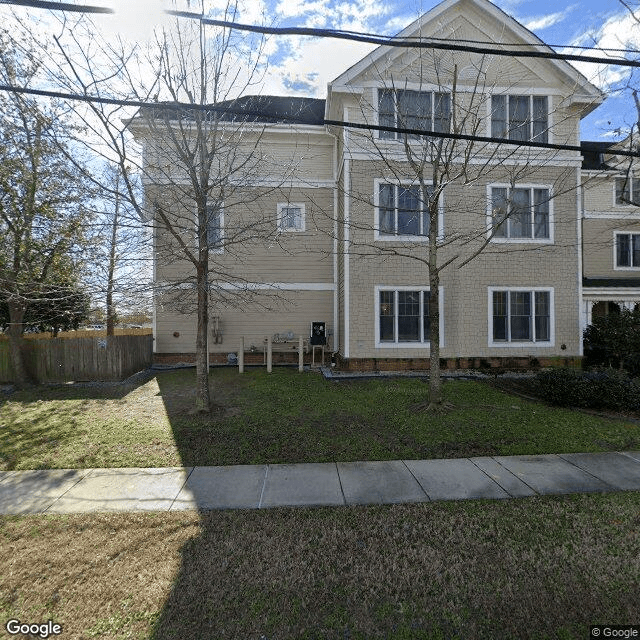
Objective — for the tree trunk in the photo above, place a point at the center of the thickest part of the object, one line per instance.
(16, 316)
(202, 365)
(435, 380)
(111, 312)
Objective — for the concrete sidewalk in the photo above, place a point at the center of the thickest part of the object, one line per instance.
(316, 484)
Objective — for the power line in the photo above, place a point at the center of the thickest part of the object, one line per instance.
(292, 119)
(58, 6)
(391, 41)
(427, 43)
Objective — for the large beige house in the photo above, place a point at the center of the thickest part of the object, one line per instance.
(342, 207)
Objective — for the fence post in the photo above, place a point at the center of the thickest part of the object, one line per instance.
(241, 356)
(300, 354)
(269, 355)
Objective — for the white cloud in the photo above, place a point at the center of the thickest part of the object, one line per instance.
(314, 64)
(618, 32)
(544, 22)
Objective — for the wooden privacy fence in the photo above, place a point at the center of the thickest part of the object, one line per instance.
(80, 359)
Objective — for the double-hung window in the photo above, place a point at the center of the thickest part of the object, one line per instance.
(520, 316)
(520, 118)
(521, 213)
(215, 222)
(403, 316)
(402, 212)
(627, 250)
(423, 110)
(627, 191)
(291, 216)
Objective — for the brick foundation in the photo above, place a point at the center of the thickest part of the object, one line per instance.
(494, 364)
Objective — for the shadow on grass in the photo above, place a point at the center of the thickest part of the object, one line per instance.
(320, 573)
(49, 427)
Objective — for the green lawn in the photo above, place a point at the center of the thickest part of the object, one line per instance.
(285, 417)
(534, 568)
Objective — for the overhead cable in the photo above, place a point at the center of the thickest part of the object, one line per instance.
(491, 48)
(292, 119)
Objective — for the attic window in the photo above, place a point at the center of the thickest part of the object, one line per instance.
(520, 117)
(423, 110)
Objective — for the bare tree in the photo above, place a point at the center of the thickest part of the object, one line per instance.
(448, 94)
(200, 158)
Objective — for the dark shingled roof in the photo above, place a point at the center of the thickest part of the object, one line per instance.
(611, 282)
(263, 109)
(593, 154)
(276, 109)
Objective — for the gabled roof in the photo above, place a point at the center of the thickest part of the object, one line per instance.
(508, 24)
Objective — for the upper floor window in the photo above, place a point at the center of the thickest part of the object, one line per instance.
(627, 191)
(628, 250)
(520, 213)
(402, 212)
(520, 117)
(403, 108)
(290, 216)
(215, 222)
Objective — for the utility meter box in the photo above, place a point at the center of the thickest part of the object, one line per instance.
(318, 333)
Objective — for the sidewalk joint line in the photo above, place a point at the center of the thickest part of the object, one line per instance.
(429, 498)
(593, 475)
(492, 478)
(184, 484)
(344, 498)
(264, 484)
(514, 475)
(75, 484)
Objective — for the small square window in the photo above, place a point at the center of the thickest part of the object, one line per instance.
(290, 216)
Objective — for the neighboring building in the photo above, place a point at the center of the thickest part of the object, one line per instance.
(343, 220)
(611, 231)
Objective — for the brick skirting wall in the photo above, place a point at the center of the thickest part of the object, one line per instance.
(386, 364)
(527, 363)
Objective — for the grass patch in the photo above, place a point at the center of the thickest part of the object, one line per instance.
(544, 567)
(285, 417)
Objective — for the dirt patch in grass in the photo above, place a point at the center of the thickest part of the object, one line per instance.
(531, 568)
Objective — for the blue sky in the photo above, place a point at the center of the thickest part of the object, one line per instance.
(303, 66)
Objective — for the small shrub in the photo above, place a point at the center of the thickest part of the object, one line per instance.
(614, 341)
(608, 389)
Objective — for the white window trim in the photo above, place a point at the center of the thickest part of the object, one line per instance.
(383, 237)
(284, 205)
(537, 93)
(509, 187)
(615, 250)
(529, 344)
(222, 239)
(404, 345)
(408, 86)
(625, 205)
